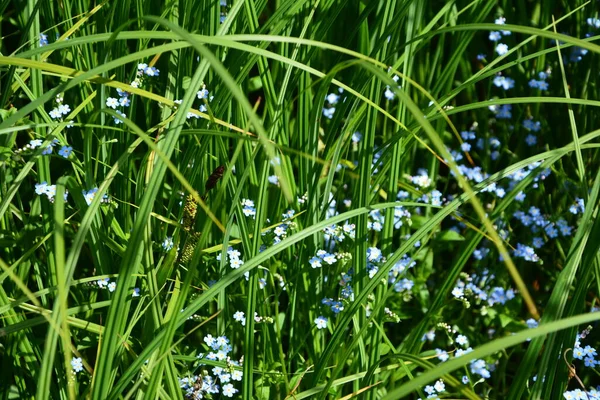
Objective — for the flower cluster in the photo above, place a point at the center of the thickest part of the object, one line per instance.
(540, 84)
(106, 283)
(496, 36)
(234, 258)
(578, 394)
(503, 81)
(240, 317)
(60, 110)
(44, 188)
(65, 151)
(282, 230)
(219, 379)
(203, 95)
(76, 364)
(122, 101)
(167, 244)
(90, 194)
(331, 100)
(389, 93)
(43, 39)
(111, 286)
(323, 257)
(248, 208)
(434, 390)
(478, 288)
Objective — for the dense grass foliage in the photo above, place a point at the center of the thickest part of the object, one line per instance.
(299, 199)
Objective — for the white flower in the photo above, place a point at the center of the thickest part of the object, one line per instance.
(209, 340)
(247, 203)
(439, 386)
(236, 263)
(239, 317)
(457, 292)
(321, 322)
(228, 390)
(462, 340)
(237, 375)
(112, 103)
(55, 114)
(64, 109)
(501, 49)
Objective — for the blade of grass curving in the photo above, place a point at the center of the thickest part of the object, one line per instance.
(487, 349)
(560, 295)
(62, 292)
(579, 158)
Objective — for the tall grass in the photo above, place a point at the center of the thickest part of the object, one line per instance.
(298, 199)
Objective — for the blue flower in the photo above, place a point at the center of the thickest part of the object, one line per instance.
(43, 39)
(542, 85)
(248, 208)
(531, 323)
(589, 362)
(577, 207)
(479, 367)
(531, 140)
(89, 195)
(467, 135)
(589, 351)
(526, 252)
(442, 355)
(151, 71)
(315, 262)
(532, 125)
(538, 242)
(462, 340)
(337, 307)
(119, 120)
(504, 112)
(328, 112)
(202, 93)
(495, 36)
(65, 151)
